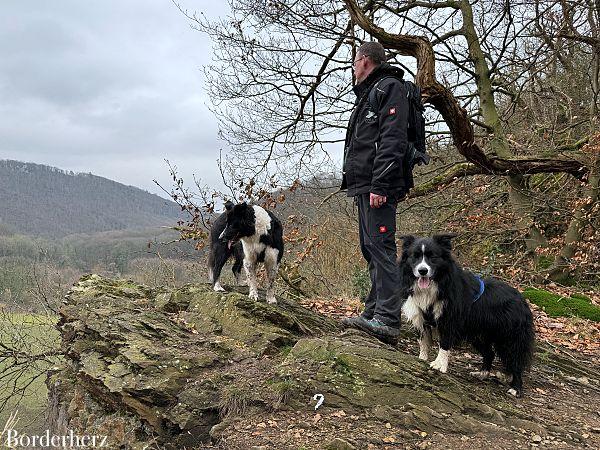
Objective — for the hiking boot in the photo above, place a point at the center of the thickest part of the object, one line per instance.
(380, 330)
(352, 322)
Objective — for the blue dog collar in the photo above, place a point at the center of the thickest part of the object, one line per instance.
(481, 289)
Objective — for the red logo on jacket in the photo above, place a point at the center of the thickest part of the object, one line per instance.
(382, 229)
(392, 110)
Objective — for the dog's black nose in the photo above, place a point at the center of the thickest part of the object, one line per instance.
(423, 271)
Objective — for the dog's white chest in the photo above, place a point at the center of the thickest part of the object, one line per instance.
(420, 302)
(252, 246)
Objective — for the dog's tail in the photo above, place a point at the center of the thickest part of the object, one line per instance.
(522, 344)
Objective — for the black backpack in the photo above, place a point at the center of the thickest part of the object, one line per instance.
(416, 153)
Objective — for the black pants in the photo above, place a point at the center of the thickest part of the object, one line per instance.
(377, 232)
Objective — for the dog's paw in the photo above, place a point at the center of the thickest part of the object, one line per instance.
(218, 288)
(423, 356)
(253, 295)
(481, 374)
(439, 365)
(271, 300)
(440, 362)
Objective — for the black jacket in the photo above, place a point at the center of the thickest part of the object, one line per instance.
(376, 141)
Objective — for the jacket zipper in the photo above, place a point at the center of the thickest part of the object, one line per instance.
(387, 168)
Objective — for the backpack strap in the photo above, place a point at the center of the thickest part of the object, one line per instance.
(366, 96)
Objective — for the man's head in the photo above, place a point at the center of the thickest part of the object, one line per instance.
(368, 56)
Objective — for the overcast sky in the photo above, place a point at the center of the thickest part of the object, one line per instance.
(111, 87)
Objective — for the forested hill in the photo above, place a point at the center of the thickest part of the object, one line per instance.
(46, 201)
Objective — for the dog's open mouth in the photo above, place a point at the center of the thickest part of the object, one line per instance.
(424, 282)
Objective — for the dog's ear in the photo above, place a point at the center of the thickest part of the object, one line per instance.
(407, 241)
(228, 205)
(445, 240)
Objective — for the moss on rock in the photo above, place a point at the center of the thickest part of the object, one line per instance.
(174, 367)
(166, 357)
(557, 306)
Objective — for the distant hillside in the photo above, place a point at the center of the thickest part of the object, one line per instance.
(46, 201)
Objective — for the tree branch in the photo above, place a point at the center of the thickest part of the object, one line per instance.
(454, 115)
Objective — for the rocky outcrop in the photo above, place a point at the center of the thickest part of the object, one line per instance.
(175, 368)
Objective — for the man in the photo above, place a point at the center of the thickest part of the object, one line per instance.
(373, 173)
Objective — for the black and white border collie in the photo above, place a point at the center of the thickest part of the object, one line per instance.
(444, 299)
(220, 251)
(261, 234)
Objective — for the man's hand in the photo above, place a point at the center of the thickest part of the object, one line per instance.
(376, 200)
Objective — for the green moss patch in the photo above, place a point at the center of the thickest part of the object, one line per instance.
(557, 306)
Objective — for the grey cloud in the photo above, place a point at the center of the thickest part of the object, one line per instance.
(108, 87)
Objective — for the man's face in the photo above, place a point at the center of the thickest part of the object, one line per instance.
(360, 66)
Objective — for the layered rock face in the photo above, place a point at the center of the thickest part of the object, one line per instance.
(175, 368)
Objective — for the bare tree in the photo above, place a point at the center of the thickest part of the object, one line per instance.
(281, 85)
(571, 34)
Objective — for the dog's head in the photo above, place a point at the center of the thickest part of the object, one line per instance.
(240, 222)
(426, 258)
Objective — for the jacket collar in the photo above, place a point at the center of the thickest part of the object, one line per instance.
(382, 70)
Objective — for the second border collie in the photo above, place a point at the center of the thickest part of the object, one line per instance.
(261, 234)
(444, 299)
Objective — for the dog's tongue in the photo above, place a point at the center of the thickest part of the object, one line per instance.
(424, 282)
(229, 244)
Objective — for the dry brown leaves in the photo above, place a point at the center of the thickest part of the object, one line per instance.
(334, 307)
(575, 334)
